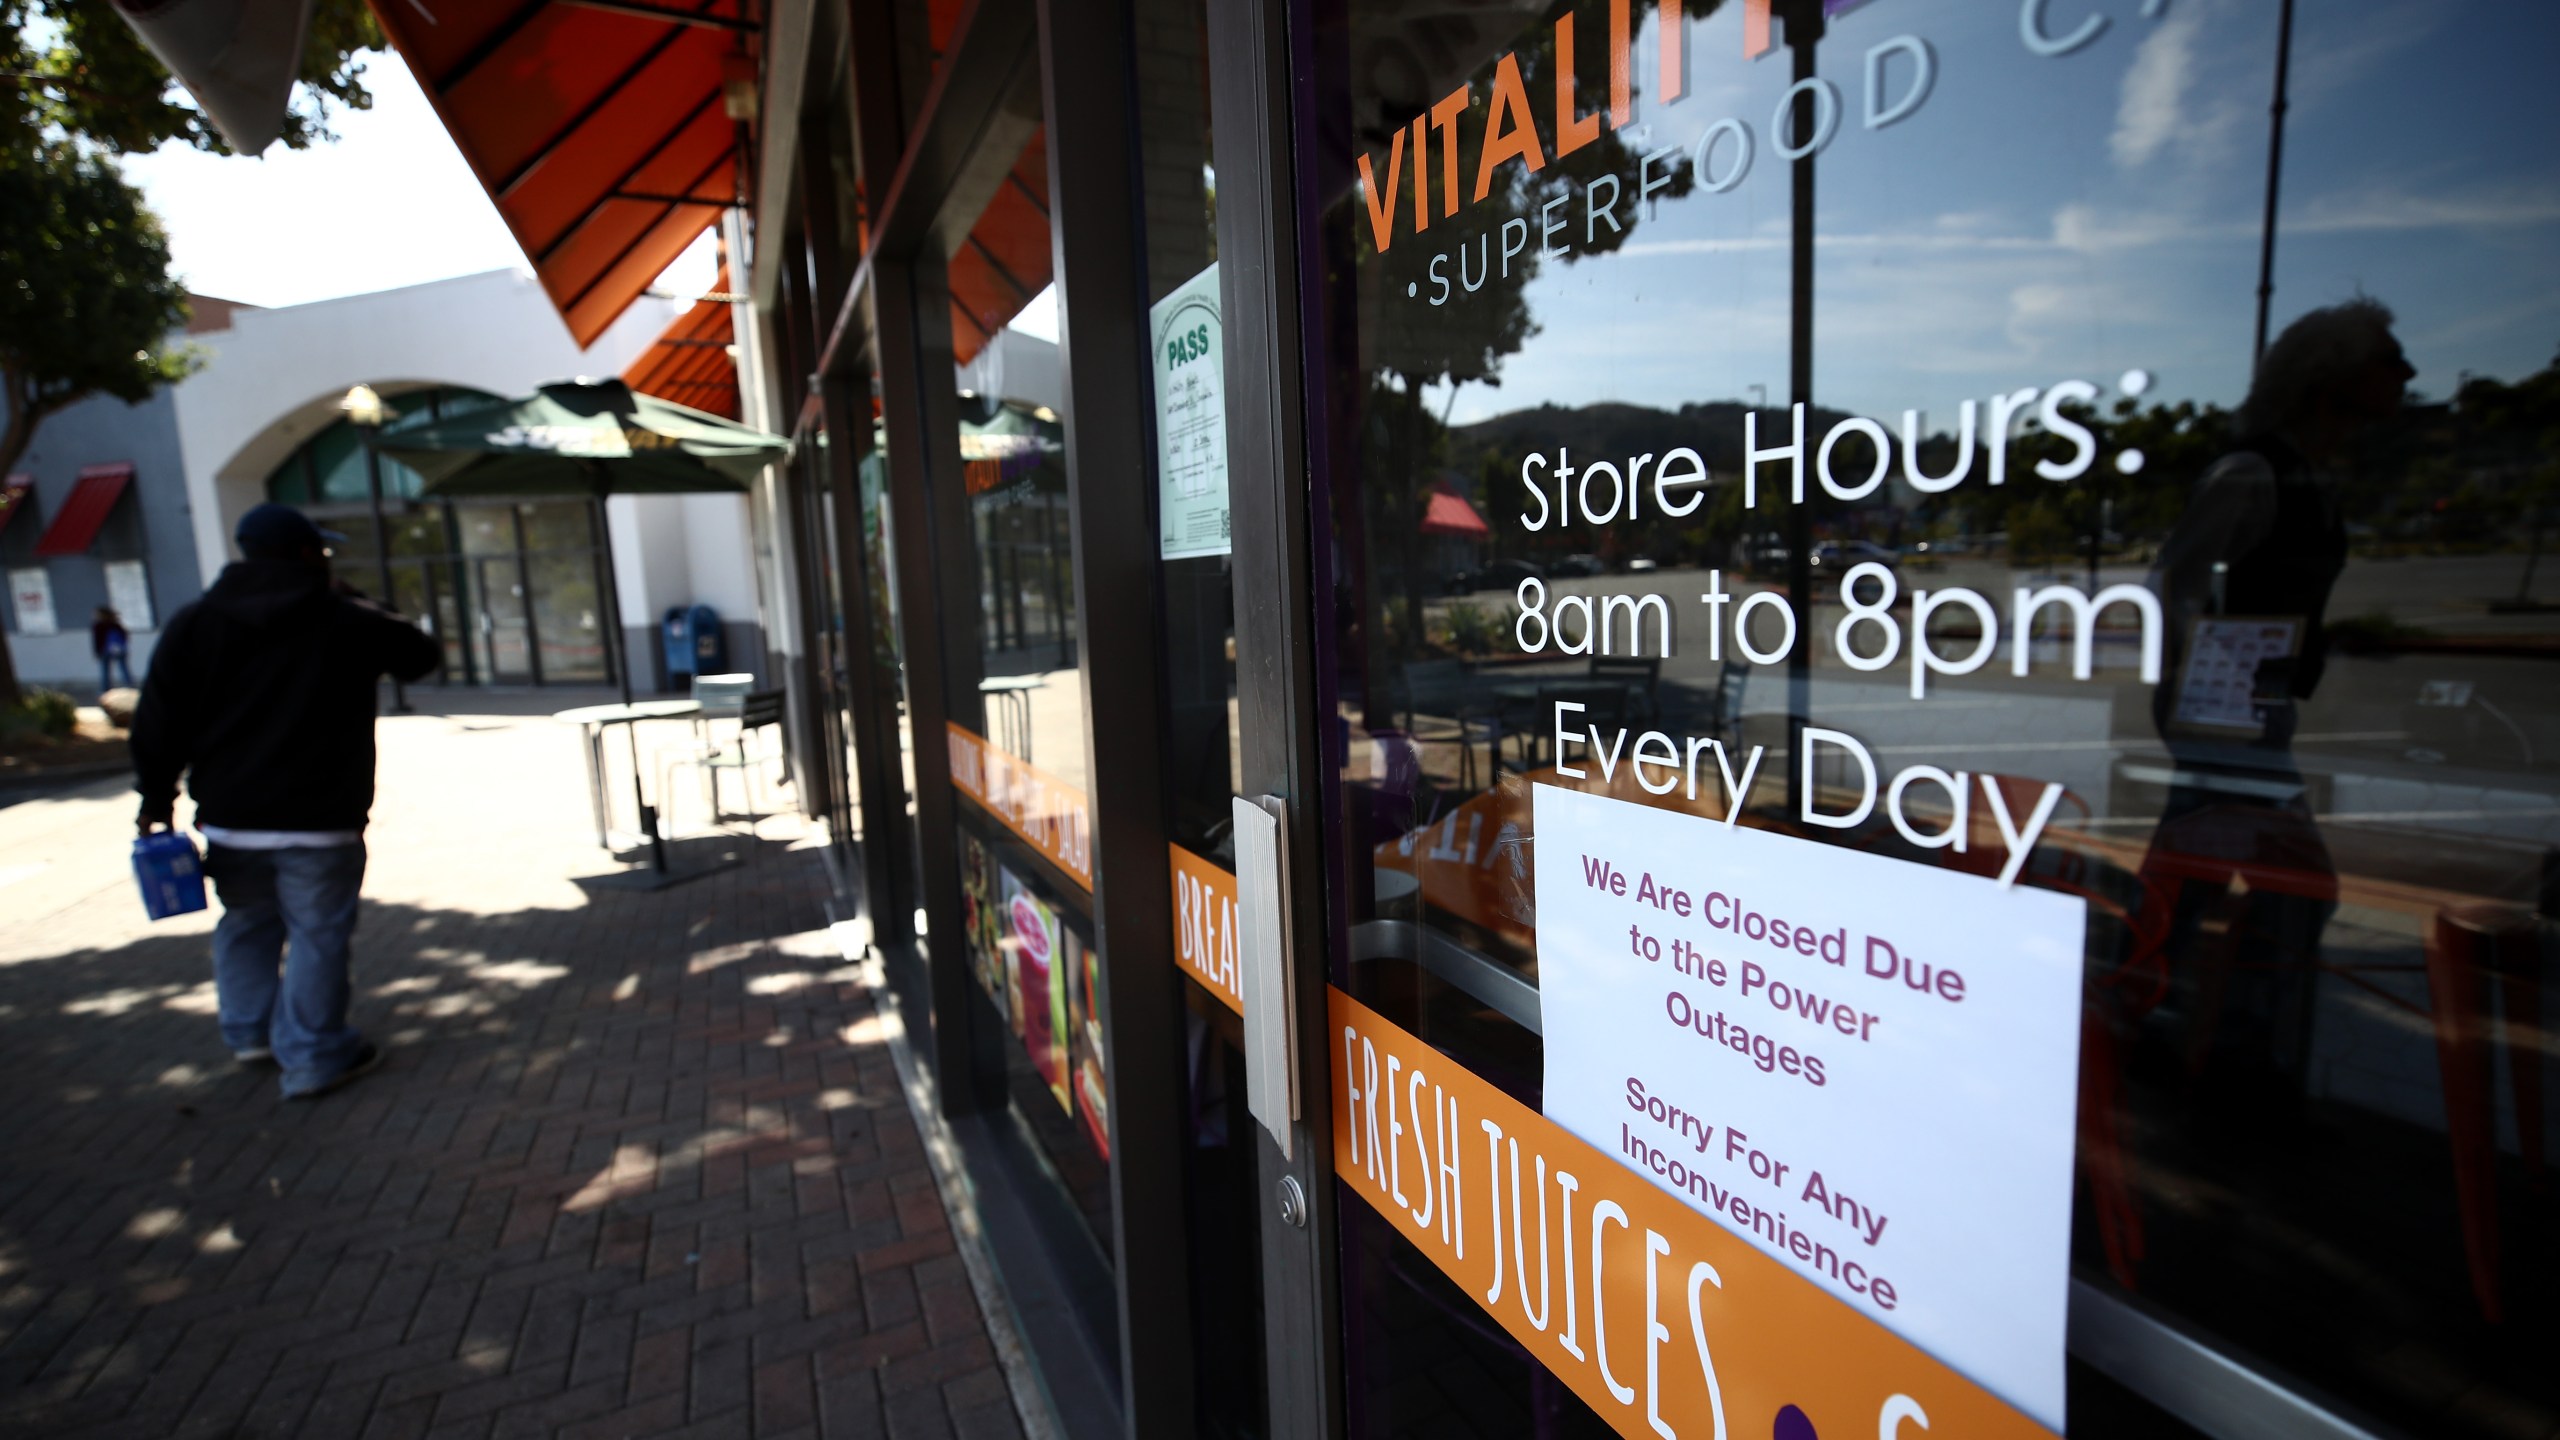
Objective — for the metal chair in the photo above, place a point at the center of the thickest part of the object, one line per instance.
(1731, 677)
(758, 710)
(720, 696)
(1641, 677)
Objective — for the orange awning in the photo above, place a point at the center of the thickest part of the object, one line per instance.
(1005, 261)
(597, 127)
(1450, 514)
(76, 524)
(691, 364)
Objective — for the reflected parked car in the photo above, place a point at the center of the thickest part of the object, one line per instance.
(1765, 556)
(1840, 555)
(1499, 575)
(1576, 567)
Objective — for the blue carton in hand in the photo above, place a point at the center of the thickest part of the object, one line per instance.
(170, 872)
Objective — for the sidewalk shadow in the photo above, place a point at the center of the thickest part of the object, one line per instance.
(20, 789)
(556, 1078)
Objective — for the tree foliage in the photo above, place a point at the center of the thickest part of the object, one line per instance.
(87, 304)
(77, 69)
(1468, 338)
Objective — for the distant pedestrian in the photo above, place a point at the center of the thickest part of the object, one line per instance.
(109, 642)
(263, 695)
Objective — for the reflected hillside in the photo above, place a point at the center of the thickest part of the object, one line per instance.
(2476, 475)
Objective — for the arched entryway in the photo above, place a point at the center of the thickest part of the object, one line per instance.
(515, 590)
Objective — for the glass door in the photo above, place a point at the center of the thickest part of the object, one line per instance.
(505, 655)
(565, 605)
(1908, 837)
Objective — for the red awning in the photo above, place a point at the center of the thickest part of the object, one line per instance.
(19, 494)
(596, 125)
(76, 524)
(1450, 514)
(691, 364)
(1006, 259)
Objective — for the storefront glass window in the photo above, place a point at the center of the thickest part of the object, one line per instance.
(1015, 688)
(1194, 542)
(501, 585)
(1905, 580)
(568, 609)
(887, 655)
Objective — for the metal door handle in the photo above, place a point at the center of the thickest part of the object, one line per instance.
(1270, 992)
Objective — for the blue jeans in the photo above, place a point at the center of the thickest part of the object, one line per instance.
(280, 954)
(108, 667)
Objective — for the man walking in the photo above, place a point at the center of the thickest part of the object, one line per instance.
(262, 694)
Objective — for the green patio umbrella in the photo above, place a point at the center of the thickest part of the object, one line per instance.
(584, 439)
(587, 439)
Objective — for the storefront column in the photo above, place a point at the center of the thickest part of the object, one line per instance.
(887, 899)
(1099, 261)
(1283, 714)
(805, 702)
(820, 287)
(908, 338)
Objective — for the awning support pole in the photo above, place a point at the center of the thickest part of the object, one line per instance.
(621, 653)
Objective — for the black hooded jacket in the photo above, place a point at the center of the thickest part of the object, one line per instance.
(262, 694)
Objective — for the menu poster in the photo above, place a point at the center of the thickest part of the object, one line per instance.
(1863, 1067)
(1036, 998)
(1191, 420)
(982, 916)
(2219, 688)
(1043, 978)
(1093, 1102)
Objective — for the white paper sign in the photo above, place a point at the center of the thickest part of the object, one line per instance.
(1863, 1066)
(1191, 420)
(31, 596)
(129, 591)
(2220, 686)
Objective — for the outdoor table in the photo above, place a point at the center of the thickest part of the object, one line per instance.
(1592, 692)
(1011, 694)
(592, 721)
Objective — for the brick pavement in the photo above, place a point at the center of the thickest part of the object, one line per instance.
(639, 1164)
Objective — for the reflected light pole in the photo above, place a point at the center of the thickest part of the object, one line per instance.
(1804, 20)
(364, 410)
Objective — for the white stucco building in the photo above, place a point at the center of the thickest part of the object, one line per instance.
(271, 391)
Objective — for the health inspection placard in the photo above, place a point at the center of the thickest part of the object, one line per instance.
(1863, 1066)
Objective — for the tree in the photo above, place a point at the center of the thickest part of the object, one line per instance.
(78, 70)
(1424, 344)
(87, 304)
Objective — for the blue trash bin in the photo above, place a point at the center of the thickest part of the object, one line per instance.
(675, 638)
(710, 652)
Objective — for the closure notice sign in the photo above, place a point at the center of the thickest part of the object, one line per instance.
(1862, 1066)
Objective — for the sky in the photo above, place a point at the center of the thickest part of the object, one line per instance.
(391, 203)
(2080, 216)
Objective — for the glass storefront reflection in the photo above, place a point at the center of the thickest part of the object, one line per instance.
(1014, 687)
(1897, 370)
(1013, 465)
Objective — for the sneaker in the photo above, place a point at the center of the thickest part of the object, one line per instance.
(368, 1060)
(254, 1055)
